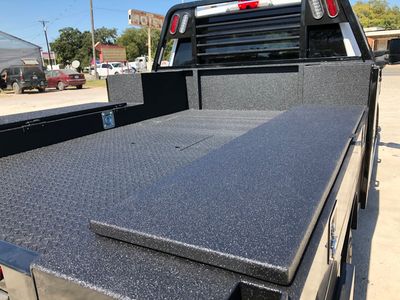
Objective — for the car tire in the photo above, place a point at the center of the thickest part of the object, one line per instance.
(16, 88)
(79, 87)
(41, 90)
(60, 86)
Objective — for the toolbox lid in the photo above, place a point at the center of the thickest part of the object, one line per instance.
(249, 206)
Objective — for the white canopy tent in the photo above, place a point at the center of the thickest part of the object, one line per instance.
(13, 50)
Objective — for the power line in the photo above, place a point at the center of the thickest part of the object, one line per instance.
(110, 9)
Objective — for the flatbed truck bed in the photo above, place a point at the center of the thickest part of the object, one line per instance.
(50, 194)
(234, 170)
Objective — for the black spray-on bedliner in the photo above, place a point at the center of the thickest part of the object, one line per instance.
(48, 194)
(55, 113)
(249, 206)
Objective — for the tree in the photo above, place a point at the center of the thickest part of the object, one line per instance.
(135, 42)
(68, 44)
(377, 13)
(72, 44)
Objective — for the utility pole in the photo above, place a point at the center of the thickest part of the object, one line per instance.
(47, 41)
(93, 47)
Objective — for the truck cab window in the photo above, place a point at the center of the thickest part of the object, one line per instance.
(325, 41)
(177, 53)
(183, 54)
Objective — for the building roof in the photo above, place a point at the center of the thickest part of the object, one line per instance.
(383, 33)
(8, 41)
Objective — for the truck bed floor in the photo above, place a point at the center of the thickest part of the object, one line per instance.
(49, 194)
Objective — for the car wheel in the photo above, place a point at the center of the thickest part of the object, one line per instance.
(79, 86)
(16, 88)
(61, 86)
(41, 90)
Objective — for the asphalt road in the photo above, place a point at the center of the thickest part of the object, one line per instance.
(376, 243)
(33, 101)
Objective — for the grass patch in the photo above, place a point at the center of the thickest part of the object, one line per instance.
(95, 83)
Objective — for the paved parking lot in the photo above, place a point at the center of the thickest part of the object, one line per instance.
(376, 252)
(32, 100)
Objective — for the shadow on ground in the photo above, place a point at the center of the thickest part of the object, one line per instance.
(362, 237)
(390, 145)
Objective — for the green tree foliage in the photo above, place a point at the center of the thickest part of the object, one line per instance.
(73, 44)
(377, 13)
(135, 42)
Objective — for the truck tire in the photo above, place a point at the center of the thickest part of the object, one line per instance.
(79, 87)
(60, 86)
(16, 88)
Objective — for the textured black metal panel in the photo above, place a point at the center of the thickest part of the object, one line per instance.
(125, 87)
(49, 194)
(16, 258)
(251, 205)
(10, 121)
(329, 83)
(158, 86)
(250, 89)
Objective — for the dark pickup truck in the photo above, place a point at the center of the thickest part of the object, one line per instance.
(234, 170)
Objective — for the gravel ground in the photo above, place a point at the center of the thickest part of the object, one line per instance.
(32, 100)
(376, 248)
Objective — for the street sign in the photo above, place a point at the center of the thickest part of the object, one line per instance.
(149, 21)
(114, 54)
(145, 19)
(46, 55)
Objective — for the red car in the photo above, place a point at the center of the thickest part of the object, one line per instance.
(60, 79)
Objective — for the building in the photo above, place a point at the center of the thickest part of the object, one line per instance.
(13, 50)
(378, 38)
(110, 53)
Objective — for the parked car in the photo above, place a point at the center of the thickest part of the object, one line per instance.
(21, 78)
(112, 68)
(140, 64)
(3, 83)
(60, 79)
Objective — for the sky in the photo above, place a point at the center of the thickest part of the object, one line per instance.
(20, 17)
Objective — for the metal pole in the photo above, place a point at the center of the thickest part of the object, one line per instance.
(93, 47)
(149, 48)
(47, 41)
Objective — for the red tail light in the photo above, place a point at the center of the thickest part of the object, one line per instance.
(248, 4)
(332, 8)
(174, 24)
(1, 274)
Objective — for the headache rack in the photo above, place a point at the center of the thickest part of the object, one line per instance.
(249, 35)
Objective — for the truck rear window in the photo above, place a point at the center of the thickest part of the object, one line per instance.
(244, 37)
(268, 34)
(325, 41)
(30, 71)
